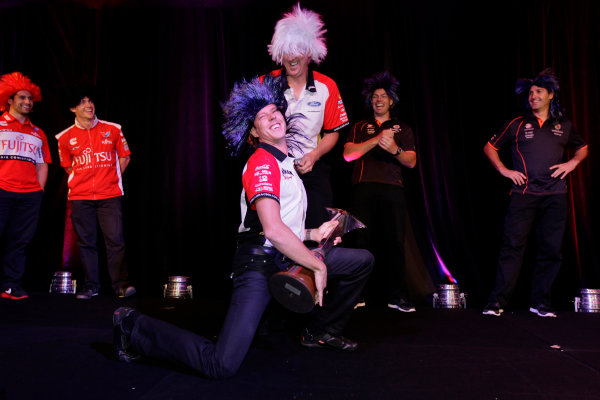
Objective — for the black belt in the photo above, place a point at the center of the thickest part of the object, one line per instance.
(257, 250)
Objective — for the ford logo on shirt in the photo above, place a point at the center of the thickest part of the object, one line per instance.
(314, 103)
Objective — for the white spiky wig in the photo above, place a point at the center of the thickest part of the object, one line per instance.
(299, 32)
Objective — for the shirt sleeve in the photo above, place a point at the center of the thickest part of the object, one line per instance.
(335, 113)
(45, 156)
(122, 146)
(352, 135)
(575, 141)
(64, 155)
(405, 138)
(506, 133)
(262, 177)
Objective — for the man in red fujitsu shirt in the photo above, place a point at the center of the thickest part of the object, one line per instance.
(95, 154)
(24, 158)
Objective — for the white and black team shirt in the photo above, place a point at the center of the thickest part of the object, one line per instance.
(270, 173)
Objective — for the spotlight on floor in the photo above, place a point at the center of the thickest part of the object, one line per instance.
(62, 283)
(178, 287)
(449, 296)
(588, 301)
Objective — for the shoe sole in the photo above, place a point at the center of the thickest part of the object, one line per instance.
(548, 315)
(395, 307)
(11, 297)
(495, 314)
(326, 346)
(85, 297)
(128, 293)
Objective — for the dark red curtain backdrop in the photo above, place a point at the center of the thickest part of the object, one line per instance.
(163, 67)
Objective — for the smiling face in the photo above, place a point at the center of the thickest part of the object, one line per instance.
(85, 110)
(21, 103)
(269, 126)
(381, 103)
(296, 66)
(539, 99)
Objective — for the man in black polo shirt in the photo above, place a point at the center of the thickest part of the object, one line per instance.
(538, 195)
(380, 148)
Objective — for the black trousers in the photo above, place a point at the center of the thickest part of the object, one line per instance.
(382, 208)
(86, 215)
(19, 214)
(549, 215)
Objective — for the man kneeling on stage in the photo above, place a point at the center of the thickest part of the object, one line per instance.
(273, 205)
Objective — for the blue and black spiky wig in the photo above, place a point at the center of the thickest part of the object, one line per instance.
(245, 101)
(382, 80)
(547, 80)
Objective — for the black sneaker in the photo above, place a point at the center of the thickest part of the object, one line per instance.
(494, 309)
(14, 293)
(121, 337)
(327, 340)
(543, 310)
(125, 292)
(402, 305)
(87, 293)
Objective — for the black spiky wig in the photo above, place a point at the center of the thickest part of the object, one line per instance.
(245, 101)
(382, 80)
(547, 80)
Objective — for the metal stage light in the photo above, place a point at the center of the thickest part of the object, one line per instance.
(178, 287)
(588, 301)
(449, 296)
(62, 283)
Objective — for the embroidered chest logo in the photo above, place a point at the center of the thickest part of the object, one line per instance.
(528, 131)
(286, 174)
(557, 130)
(370, 129)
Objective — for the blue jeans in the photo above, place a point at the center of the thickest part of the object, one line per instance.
(19, 214)
(348, 270)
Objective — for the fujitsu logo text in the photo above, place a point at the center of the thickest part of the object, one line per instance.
(18, 145)
(87, 157)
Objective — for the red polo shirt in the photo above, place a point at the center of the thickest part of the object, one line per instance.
(22, 146)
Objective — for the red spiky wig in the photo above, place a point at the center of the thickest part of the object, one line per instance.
(12, 83)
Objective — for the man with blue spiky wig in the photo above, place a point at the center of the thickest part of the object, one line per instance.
(538, 141)
(270, 237)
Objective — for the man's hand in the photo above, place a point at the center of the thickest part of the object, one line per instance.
(320, 284)
(387, 142)
(517, 177)
(562, 170)
(306, 163)
(325, 230)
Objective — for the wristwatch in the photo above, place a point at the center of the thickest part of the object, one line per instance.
(398, 151)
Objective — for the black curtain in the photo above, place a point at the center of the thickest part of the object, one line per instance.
(162, 68)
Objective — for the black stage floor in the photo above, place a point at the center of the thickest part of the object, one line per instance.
(57, 347)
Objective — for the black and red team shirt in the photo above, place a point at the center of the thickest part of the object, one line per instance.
(377, 165)
(271, 173)
(535, 149)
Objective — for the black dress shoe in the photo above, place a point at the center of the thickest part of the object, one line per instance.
(121, 336)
